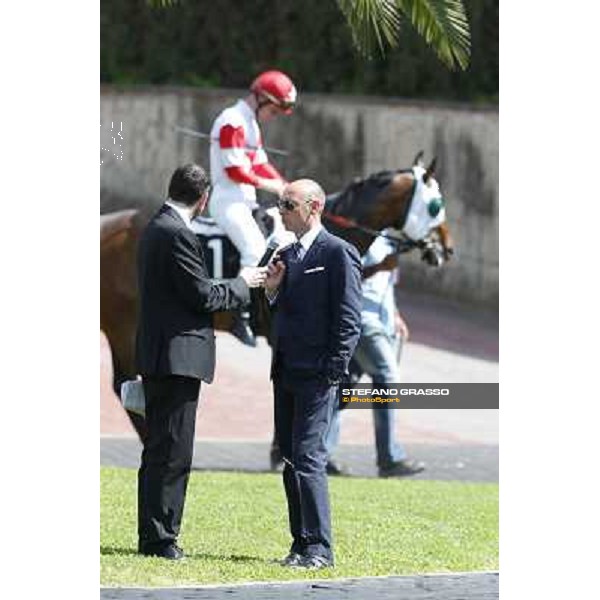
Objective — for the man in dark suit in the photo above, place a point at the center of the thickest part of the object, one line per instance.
(316, 297)
(175, 351)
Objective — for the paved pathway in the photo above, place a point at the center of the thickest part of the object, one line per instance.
(449, 344)
(457, 586)
(444, 462)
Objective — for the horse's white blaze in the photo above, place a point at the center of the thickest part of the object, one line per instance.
(418, 221)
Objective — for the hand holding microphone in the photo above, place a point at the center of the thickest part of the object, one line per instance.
(257, 276)
(275, 268)
(269, 252)
(275, 273)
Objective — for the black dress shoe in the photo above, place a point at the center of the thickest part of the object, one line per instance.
(336, 469)
(401, 468)
(314, 562)
(170, 552)
(293, 559)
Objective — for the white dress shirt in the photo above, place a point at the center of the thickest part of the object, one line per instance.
(182, 211)
(306, 241)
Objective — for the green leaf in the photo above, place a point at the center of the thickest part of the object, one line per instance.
(442, 23)
(372, 22)
(162, 3)
(444, 26)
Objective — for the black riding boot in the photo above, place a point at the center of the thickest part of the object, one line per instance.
(241, 328)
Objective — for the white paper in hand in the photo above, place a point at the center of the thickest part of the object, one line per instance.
(132, 397)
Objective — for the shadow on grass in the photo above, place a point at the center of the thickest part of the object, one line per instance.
(112, 551)
(229, 557)
(234, 558)
(221, 469)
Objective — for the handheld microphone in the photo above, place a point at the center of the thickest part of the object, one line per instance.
(268, 255)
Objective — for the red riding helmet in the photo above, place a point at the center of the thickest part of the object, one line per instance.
(277, 88)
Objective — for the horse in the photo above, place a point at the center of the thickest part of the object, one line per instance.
(386, 201)
(381, 204)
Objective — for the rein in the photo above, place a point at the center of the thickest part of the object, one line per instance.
(403, 242)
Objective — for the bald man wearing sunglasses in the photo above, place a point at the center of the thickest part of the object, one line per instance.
(315, 294)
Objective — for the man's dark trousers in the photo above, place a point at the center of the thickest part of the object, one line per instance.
(304, 407)
(171, 403)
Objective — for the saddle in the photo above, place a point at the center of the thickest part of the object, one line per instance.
(222, 257)
(223, 262)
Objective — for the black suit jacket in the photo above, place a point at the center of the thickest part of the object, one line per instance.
(316, 323)
(175, 333)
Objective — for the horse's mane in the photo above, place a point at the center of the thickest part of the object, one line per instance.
(358, 197)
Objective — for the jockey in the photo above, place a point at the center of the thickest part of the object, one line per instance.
(239, 165)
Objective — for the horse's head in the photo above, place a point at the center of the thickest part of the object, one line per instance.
(408, 202)
(425, 219)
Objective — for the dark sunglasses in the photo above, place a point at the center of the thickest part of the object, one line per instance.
(285, 204)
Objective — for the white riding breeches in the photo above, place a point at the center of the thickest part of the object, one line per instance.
(234, 216)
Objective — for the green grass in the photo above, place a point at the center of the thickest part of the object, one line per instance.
(235, 524)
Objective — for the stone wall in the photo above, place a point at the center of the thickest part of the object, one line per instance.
(331, 139)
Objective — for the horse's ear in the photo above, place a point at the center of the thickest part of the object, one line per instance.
(430, 170)
(418, 161)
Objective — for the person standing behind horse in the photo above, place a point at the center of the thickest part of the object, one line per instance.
(315, 294)
(383, 332)
(175, 350)
(239, 165)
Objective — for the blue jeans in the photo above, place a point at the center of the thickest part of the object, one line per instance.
(377, 355)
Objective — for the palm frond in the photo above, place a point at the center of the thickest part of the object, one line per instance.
(162, 3)
(373, 23)
(444, 25)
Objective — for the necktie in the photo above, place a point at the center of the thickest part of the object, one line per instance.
(298, 251)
